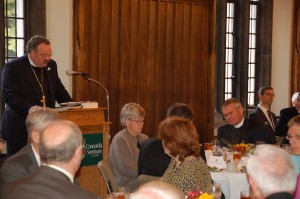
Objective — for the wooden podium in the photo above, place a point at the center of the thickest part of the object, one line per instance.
(91, 121)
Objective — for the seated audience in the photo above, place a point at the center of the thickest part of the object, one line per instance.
(271, 173)
(285, 115)
(262, 113)
(27, 160)
(125, 146)
(294, 138)
(239, 129)
(60, 149)
(157, 190)
(187, 171)
(152, 159)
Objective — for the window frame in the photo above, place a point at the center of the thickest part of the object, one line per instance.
(263, 68)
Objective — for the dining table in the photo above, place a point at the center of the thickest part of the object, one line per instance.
(232, 183)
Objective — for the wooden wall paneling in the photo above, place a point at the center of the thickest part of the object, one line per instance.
(295, 67)
(151, 52)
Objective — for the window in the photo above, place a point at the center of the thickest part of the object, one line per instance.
(19, 20)
(14, 28)
(241, 68)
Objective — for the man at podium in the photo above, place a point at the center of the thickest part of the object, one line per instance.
(29, 81)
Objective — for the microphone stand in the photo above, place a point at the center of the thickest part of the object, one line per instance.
(86, 77)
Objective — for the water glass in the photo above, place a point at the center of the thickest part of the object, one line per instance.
(216, 191)
(245, 195)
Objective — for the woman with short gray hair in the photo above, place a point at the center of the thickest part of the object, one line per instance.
(125, 146)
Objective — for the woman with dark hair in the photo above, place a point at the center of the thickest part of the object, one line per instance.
(187, 170)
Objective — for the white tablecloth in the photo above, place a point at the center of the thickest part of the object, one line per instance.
(231, 183)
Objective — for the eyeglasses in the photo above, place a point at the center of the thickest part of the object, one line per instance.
(138, 121)
(231, 112)
(296, 137)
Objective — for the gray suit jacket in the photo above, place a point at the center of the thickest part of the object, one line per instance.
(18, 166)
(45, 183)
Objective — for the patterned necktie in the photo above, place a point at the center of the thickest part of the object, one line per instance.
(271, 119)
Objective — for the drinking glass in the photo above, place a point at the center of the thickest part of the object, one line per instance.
(216, 191)
(111, 196)
(245, 195)
(122, 192)
(208, 146)
(228, 155)
(237, 156)
(216, 147)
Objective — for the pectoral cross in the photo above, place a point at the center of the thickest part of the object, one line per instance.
(43, 100)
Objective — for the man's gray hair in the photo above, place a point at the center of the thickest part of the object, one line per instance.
(65, 150)
(272, 170)
(131, 111)
(39, 119)
(35, 41)
(295, 96)
(157, 189)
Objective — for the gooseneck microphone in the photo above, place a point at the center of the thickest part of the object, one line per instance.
(74, 73)
(86, 77)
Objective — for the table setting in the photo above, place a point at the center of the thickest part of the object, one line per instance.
(228, 167)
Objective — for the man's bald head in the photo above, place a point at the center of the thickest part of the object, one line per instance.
(59, 141)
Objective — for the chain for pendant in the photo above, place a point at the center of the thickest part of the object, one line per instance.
(41, 85)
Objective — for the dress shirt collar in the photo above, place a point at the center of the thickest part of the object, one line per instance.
(239, 124)
(69, 175)
(36, 155)
(265, 110)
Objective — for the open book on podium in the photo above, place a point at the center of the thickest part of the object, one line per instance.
(95, 131)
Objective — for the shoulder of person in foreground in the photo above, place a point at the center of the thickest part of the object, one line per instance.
(157, 189)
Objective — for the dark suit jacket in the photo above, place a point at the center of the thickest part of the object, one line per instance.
(280, 195)
(152, 158)
(249, 132)
(285, 115)
(21, 91)
(258, 116)
(45, 183)
(18, 166)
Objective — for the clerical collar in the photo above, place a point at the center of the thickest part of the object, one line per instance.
(31, 62)
(239, 124)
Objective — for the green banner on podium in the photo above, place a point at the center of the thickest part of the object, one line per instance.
(92, 149)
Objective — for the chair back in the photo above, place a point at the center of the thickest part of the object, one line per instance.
(107, 174)
(144, 178)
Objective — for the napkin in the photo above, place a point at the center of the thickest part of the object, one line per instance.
(216, 161)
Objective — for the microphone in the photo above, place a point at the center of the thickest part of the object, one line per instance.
(74, 73)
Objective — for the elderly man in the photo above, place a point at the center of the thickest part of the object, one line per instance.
(27, 160)
(61, 153)
(262, 114)
(271, 173)
(285, 115)
(238, 128)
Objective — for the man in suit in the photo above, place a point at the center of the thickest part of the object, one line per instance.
(27, 160)
(262, 113)
(27, 82)
(61, 153)
(285, 115)
(152, 158)
(271, 173)
(238, 128)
